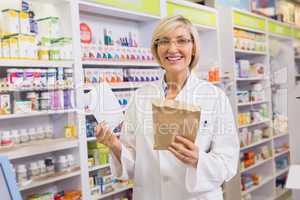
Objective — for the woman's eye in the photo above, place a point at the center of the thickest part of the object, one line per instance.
(181, 41)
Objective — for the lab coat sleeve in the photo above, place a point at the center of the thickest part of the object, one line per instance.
(220, 163)
(125, 168)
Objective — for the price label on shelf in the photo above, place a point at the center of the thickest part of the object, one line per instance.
(196, 15)
(249, 21)
(279, 28)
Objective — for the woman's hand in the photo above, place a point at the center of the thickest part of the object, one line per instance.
(185, 150)
(105, 136)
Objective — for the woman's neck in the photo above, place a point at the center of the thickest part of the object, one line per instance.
(175, 82)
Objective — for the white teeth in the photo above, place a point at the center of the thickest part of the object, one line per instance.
(174, 58)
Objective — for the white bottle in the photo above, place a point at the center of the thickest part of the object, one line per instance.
(62, 163)
(6, 138)
(49, 132)
(42, 166)
(15, 136)
(71, 160)
(40, 133)
(24, 137)
(34, 170)
(22, 174)
(32, 134)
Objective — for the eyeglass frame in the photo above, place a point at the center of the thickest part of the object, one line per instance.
(157, 42)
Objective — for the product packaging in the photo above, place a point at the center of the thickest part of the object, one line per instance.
(171, 118)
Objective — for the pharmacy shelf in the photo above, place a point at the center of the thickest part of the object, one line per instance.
(262, 183)
(254, 124)
(97, 167)
(88, 63)
(251, 103)
(58, 176)
(279, 194)
(36, 113)
(255, 144)
(39, 147)
(248, 29)
(280, 135)
(98, 9)
(34, 89)
(35, 63)
(116, 191)
(281, 153)
(282, 171)
(248, 52)
(256, 165)
(251, 79)
(122, 85)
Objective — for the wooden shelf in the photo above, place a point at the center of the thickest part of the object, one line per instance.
(38, 147)
(58, 176)
(35, 63)
(36, 113)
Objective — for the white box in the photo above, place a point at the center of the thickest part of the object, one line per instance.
(10, 22)
(5, 48)
(24, 23)
(49, 27)
(14, 47)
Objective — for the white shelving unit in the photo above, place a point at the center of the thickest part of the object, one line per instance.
(242, 20)
(37, 150)
(36, 63)
(100, 16)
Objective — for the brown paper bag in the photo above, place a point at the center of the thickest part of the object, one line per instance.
(171, 118)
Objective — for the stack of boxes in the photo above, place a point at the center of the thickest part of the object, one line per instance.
(24, 37)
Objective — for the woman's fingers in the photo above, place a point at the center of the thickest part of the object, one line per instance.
(190, 145)
(178, 155)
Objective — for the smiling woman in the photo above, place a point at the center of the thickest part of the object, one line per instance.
(187, 170)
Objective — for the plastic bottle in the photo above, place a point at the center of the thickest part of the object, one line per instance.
(6, 138)
(42, 167)
(33, 134)
(71, 160)
(62, 163)
(40, 133)
(34, 170)
(24, 137)
(22, 174)
(49, 132)
(15, 136)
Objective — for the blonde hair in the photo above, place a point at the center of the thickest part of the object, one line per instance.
(169, 24)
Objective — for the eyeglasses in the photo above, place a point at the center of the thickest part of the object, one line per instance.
(180, 42)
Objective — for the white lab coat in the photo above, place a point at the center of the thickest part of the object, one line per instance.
(159, 175)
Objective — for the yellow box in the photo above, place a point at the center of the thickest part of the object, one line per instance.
(10, 20)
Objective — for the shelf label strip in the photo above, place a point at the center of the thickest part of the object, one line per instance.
(142, 6)
(279, 29)
(249, 21)
(196, 15)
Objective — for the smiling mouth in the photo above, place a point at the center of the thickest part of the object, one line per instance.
(174, 58)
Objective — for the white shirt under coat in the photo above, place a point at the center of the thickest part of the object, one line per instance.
(159, 175)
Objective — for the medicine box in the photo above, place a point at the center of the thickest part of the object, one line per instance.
(49, 27)
(5, 48)
(10, 22)
(24, 23)
(22, 106)
(5, 106)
